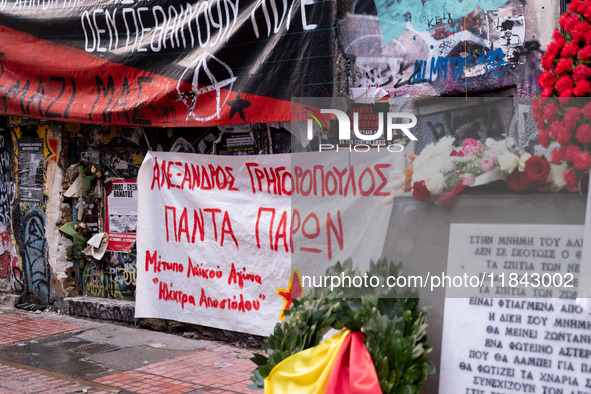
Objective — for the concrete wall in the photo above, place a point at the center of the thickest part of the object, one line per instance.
(435, 47)
(418, 236)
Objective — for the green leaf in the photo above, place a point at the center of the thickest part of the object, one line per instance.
(259, 359)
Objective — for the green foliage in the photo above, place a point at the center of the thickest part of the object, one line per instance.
(89, 173)
(79, 236)
(393, 324)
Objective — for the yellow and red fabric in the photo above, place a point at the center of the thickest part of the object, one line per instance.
(339, 365)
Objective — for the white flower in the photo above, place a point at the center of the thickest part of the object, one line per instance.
(435, 183)
(434, 158)
(524, 157)
(556, 177)
(508, 162)
(439, 149)
(490, 143)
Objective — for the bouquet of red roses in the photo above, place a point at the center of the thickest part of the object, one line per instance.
(563, 114)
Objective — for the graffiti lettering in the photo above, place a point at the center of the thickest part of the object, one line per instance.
(491, 62)
(6, 182)
(34, 255)
(100, 310)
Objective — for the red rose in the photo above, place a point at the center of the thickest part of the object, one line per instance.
(562, 20)
(537, 108)
(559, 41)
(563, 65)
(556, 128)
(571, 151)
(550, 110)
(537, 169)
(582, 88)
(580, 72)
(584, 133)
(582, 161)
(564, 83)
(570, 177)
(419, 191)
(566, 93)
(580, 30)
(571, 117)
(558, 156)
(548, 60)
(547, 92)
(547, 79)
(569, 49)
(564, 136)
(585, 53)
(517, 181)
(570, 23)
(544, 138)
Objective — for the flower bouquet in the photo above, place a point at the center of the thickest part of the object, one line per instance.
(442, 170)
(564, 110)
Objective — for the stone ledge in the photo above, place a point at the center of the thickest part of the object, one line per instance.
(124, 311)
(99, 308)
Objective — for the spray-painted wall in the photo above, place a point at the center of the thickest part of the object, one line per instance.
(11, 270)
(445, 47)
(28, 156)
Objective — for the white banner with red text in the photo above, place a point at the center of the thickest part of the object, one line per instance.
(218, 237)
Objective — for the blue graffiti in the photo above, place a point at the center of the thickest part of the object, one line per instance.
(34, 256)
(394, 15)
(440, 66)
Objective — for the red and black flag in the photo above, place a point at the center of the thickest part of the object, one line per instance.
(165, 62)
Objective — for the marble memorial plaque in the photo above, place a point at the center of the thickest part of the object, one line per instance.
(498, 342)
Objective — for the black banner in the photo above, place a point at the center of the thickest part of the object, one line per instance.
(165, 63)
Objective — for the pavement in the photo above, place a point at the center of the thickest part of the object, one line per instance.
(48, 352)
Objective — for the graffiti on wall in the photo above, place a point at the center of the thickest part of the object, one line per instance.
(101, 310)
(112, 277)
(11, 273)
(425, 14)
(28, 218)
(6, 180)
(435, 47)
(33, 253)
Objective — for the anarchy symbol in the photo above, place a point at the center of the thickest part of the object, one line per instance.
(203, 82)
